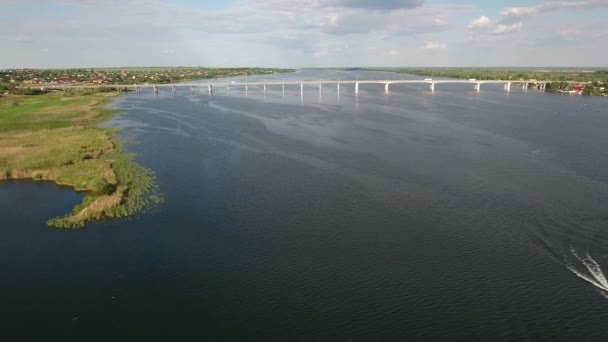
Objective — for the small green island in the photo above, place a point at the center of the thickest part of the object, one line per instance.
(54, 135)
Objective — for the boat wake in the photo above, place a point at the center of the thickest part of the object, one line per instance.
(593, 274)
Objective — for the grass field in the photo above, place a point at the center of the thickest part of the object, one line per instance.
(54, 137)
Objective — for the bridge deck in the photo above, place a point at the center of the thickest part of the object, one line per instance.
(302, 82)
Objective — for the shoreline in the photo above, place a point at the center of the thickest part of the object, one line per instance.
(592, 83)
(56, 138)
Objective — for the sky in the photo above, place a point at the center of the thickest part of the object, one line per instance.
(303, 33)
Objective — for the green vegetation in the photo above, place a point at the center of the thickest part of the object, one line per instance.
(562, 79)
(29, 81)
(54, 137)
(596, 88)
(577, 75)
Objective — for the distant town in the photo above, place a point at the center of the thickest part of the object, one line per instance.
(571, 81)
(30, 81)
(37, 81)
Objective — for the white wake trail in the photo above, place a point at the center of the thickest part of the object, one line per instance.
(595, 277)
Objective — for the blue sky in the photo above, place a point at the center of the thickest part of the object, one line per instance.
(303, 33)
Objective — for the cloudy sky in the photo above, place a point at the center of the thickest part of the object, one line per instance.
(303, 33)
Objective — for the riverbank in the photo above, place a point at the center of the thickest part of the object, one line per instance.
(30, 81)
(54, 137)
(569, 81)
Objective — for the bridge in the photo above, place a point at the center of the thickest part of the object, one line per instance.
(228, 85)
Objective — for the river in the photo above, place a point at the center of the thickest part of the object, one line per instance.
(452, 215)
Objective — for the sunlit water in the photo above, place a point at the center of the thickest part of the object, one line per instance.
(452, 215)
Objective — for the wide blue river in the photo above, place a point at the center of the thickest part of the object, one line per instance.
(452, 215)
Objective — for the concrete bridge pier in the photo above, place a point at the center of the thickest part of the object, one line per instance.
(478, 86)
(155, 90)
(228, 89)
(283, 89)
(357, 88)
(338, 90)
(508, 87)
(174, 90)
(246, 89)
(264, 88)
(210, 89)
(301, 89)
(432, 86)
(192, 89)
(320, 88)
(386, 87)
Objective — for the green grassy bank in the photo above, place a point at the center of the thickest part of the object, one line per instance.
(54, 137)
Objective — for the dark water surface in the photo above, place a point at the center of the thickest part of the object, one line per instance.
(408, 215)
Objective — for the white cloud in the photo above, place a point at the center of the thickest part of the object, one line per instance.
(287, 32)
(520, 12)
(435, 45)
(392, 53)
(512, 18)
(503, 28)
(480, 23)
(281, 32)
(517, 13)
(374, 4)
(23, 38)
(440, 21)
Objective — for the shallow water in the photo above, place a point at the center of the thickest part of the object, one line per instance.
(446, 215)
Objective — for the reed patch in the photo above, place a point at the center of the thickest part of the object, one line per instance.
(54, 137)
